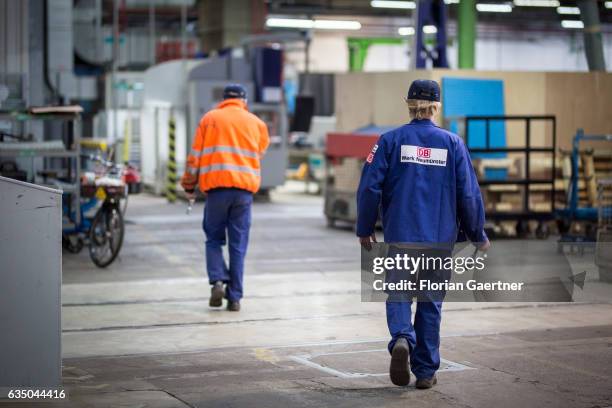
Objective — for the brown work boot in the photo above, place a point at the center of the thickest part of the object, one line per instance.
(233, 306)
(400, 366)
(216, 294)
(426, 383)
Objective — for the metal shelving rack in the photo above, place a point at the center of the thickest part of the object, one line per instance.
(527, 150)
(525, 213)
(72, 152)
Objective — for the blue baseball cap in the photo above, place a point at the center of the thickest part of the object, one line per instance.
(424, 89)
(234, 91)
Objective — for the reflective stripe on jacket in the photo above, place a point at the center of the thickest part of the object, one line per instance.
(226, 149)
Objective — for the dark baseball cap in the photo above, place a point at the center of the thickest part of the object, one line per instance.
(425, 90)
(234, 91)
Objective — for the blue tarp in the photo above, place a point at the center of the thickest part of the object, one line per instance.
(470, 96)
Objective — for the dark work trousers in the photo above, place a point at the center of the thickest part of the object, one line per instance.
(423, 335)
(227, 217)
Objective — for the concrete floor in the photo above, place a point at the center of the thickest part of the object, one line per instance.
(140, 333)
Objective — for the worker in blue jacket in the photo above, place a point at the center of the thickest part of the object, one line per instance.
(420, 178)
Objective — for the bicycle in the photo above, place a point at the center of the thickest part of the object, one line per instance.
(104, 231)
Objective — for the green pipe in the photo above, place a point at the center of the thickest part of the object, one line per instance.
(357, 54)
(358, 49)
(467, 33)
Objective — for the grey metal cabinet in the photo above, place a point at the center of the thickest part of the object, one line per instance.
(30, 284)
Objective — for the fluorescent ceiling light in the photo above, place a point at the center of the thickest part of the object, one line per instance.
(405, 31)
(337, 24)
(608, 4)
(393, 4)
(494, 8)
(430, 29)
(451, 1)
(316, 24)
(537, 3)
(289, 23)
(568, 10)
(572, 24)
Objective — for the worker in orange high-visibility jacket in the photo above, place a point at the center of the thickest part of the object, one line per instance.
(225, 163)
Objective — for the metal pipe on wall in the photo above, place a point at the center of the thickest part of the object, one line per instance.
(152, 52)
(183, 31)
(593, 44)
(115, 99)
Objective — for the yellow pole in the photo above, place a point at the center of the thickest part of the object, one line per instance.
(171, 179)
(126, 140)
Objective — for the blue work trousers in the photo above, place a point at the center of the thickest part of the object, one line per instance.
(227, 216)
(423, 335)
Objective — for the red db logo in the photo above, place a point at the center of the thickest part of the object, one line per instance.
(370, 157)
(424, 152)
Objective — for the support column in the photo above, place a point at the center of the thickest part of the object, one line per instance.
(467, 33)
(593, 45)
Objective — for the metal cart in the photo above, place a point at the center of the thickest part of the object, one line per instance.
(50, 149)
(104, 231)
(574, 215)
(573, 211)
(344, 157)
(603, 255)
(525, 214)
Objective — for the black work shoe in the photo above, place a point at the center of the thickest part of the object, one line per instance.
(426, 383)
(216, 294)
(400, 366)
(233, 306)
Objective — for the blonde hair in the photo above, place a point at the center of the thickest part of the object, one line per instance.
(420, 109)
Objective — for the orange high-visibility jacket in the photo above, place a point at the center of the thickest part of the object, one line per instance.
(226, 149)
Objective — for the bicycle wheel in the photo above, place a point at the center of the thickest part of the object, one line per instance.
(106, 235)
(72, 244)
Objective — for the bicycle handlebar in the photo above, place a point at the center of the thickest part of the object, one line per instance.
(106, 163)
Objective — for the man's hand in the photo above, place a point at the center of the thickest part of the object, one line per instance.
(190, 195)
(484, 246)
(366, 242)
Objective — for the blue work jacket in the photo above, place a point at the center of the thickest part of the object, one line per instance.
(424, 179)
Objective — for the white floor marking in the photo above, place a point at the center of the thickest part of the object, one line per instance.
(306, 359)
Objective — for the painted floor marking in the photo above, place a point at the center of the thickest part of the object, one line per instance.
(307, 360)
